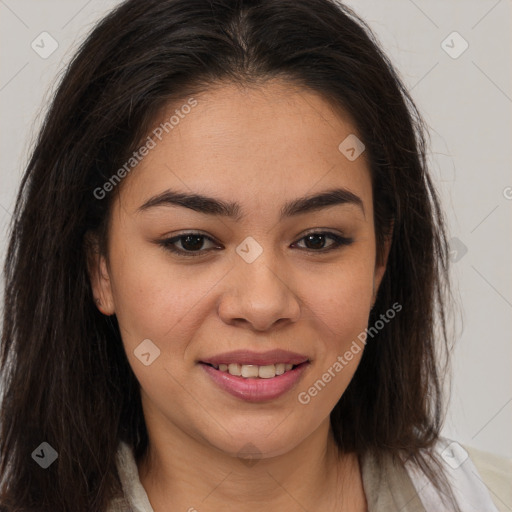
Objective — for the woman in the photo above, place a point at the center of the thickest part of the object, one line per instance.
(232, 258)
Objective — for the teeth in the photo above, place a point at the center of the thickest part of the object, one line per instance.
(253, 371)
(280, 368)
(235, 369)
(267, 372)
(249, 370)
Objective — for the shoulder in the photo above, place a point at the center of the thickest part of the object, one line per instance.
(469, 489)
(496, 472)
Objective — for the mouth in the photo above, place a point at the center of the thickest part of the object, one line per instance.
(253, 377)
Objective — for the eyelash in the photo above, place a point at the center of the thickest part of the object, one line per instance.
(167, 244)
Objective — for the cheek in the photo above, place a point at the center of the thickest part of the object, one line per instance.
(340, 302)
(165, 304)
(158, 300)
(340, 296)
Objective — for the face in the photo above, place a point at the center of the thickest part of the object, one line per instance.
(256, 277)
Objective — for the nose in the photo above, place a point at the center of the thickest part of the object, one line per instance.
(259, 295)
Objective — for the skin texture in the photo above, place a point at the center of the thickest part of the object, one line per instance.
(261, 147)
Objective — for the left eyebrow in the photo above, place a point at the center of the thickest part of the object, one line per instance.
(212, 206)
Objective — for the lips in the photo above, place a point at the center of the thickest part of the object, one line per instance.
(256, 388)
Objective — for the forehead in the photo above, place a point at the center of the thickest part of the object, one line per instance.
(257, 144)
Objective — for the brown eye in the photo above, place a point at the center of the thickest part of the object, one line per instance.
(191, 243)
(315, 241)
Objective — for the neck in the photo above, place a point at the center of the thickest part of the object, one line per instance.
(180, 472)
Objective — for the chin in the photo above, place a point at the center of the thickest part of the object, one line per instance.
(258, 443)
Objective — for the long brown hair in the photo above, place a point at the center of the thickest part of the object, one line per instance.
(65, 376)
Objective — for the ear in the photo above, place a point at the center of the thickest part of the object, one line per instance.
(99, 275)
(381, 263)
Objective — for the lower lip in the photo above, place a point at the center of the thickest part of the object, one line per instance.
(256, 389)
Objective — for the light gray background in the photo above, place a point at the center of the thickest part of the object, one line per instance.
(466, 102)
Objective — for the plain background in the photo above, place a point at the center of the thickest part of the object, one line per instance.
(467, 104)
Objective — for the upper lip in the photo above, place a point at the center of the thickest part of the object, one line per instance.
(257, 358)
